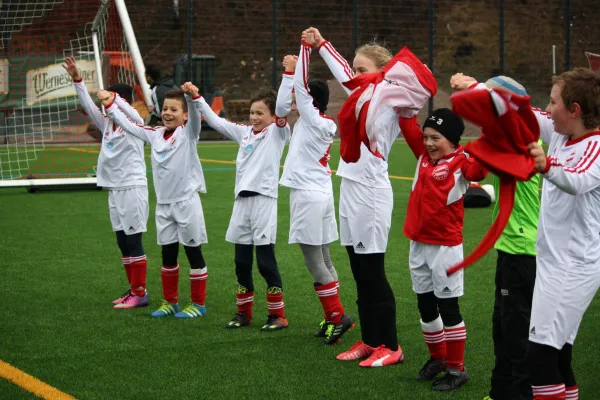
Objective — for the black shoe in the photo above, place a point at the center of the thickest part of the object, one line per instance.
(239, 320)
(274, 323)
(431, 369)
(452, 380)
(322, 329)
(334, 332)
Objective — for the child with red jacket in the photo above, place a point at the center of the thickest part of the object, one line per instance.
(434, 223)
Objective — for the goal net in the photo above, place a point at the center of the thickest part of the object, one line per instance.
(45, 138)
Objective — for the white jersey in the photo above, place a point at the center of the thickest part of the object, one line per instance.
(369, 170)
(307, 163)
(569, 227)
(257, 161)
(121, 162)
(176, 168)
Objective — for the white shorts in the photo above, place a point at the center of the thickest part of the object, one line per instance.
(428, 264)
(365, 216)
(128, 209)
(253, 221)
(560, 297)
(181, 222)
(312, 217)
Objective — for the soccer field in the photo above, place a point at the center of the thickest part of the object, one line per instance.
(61, 269)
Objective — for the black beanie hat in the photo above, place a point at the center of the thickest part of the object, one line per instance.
(320, 94)
(125, 91)
(450, 125)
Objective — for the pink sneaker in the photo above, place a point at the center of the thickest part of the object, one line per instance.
(123, 297)
(383, 356)
(356, 352)
(133, 301)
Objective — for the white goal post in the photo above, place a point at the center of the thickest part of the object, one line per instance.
(45, 139)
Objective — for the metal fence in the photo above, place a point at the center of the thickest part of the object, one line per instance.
(481, 38)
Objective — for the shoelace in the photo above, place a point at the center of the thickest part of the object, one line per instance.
(271, 319)
(329, 330)
(127, 297)
(356, 345)
(379, 352)
(165, 306)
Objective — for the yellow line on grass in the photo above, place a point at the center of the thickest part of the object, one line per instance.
(31, 384)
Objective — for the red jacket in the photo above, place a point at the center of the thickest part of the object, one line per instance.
(435, 208)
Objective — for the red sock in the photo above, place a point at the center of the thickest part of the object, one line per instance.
(244, 303)
(127, 266)
(330, 300)
(275, 304)
(433, 333)
(549, 392)
(138, 275)
(456, 336)
(572, 393)
(170, 283)
(198, 279)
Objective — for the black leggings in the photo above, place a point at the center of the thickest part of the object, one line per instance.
(194, 255)
(430, 307)
(267, 265)
(376, 301)
(130, 245)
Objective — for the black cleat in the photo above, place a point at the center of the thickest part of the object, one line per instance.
(431, 369)
(274, 323)
(452, 380)
(322, 329)
(334, 332)
(239, 320)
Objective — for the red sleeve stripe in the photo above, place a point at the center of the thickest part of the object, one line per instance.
(541, 112)
(589, 157)
(339, 59)
(78, 80)
(288, 73)
(305, 61)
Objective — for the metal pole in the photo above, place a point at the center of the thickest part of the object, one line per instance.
(355, 26)
(567, 35)
(188, 73)
(501, 38)
(274, 49)
(431, 13)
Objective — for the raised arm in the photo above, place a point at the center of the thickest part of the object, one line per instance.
(283, 105)
(85, 99)
(228, 129)
(304, 100)
(128, 110)
(144, 133)
(582, 178)
(473, 171)
(339, 67)
(412, 134)
(194, 123)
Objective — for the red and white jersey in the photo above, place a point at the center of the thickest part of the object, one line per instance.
(569, 227)
(307, 163)
(436, 210)
(176, 169)
(121, 161)
(258, 159)
(369, 170)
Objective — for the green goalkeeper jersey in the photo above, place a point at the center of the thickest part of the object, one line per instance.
(521, 231)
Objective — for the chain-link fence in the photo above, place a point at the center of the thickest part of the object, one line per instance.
(481, 38)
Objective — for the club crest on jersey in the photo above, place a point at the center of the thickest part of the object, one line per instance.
(441, 172)
(280, 122)
(425, 164)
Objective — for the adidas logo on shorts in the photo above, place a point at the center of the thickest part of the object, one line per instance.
(263, 236)
(446, 290)
(360, 246)
(532, 331)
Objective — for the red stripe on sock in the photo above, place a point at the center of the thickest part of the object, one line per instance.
(275, 304)
(330, 301)
(245, 302)
(138, 276)
(170, 283)
(198, 287)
